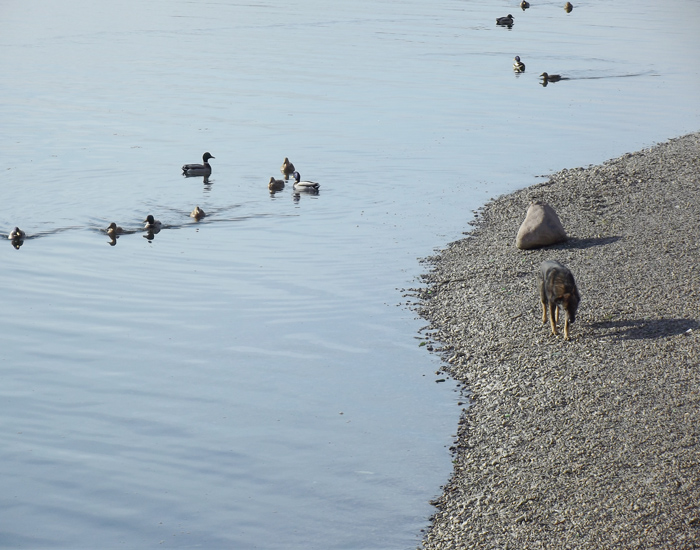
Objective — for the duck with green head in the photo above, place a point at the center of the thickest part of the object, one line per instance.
(204, 169)
(507, 20)
(16, 234)
(300, 185)
(518, 66)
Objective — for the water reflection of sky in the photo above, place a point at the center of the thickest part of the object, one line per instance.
(192, 386)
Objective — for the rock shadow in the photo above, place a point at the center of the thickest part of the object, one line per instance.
(573, 242)
(638, 329)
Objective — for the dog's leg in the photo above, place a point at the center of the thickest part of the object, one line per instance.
(556, 315)
(552, 313)
(565, 307)
(543, 301)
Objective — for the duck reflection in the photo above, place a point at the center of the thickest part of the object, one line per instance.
(297, 193)
(151, 233)
(113, 232)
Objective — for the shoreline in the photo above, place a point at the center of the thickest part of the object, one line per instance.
(595, 442)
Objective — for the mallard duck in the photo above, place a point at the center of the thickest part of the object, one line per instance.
(114, 229)
(199, 169)
(518, 66)
(568, 7)
(507, 20)
(551, 77)
(197, 213)
(524, 5)
(151, 222)
(287, 168)
(275, 185)
(16, 234)
(304, 185)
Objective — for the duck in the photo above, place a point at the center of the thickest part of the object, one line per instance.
(518, 66)
(551, 77)
(524, 5)
(114, 229)
(568, 7)
(197, 213)
(16, 234)
(199, 169)
(287, 168)
(507, 20)
(151, 223)
(304, 185)
(276, 185)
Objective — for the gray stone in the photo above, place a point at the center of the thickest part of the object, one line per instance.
(540, 228)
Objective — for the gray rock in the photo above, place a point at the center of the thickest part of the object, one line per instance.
(540, 228)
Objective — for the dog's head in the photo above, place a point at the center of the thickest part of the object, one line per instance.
(570, 302)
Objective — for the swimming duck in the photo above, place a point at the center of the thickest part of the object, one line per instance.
(518, 66)
(507, 20)
(197, 213)
(16, 234)
(199, 169)
(524, 5)
(276, 185)
(151, 222)
(551, 77)
(114, 229)
(304, 185)
(568, 7)
(287, 168)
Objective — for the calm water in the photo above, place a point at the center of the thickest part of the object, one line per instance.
(254, 380)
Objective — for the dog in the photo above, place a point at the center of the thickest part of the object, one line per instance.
(558, 288)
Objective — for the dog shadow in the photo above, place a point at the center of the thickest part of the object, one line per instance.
(638, 329)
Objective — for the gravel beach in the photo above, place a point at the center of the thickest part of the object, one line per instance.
(592, 442)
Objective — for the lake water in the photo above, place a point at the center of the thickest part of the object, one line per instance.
(255, 380)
